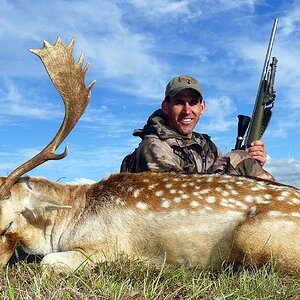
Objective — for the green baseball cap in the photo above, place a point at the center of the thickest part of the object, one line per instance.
(177, 84)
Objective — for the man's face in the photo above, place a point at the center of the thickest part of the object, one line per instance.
(183, 111)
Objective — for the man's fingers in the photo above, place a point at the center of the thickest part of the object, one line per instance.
(258, 143)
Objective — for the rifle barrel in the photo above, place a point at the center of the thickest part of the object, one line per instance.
(269, 51)
(258, 111)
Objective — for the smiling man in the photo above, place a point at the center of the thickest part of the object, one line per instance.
(183, 111)
(169, 143)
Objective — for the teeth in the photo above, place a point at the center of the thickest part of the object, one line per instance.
(186, 120)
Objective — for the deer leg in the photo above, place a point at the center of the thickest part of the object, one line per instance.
(66, 261)
(266, 237)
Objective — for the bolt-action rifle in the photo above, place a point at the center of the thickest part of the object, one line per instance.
(264, 102)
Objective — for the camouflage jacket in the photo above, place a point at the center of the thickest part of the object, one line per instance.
(164, 150)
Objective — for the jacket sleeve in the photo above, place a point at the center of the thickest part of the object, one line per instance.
(156, 155)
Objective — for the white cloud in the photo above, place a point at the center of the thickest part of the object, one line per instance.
(115, 50)
(285, 171)
(187, 9)
(284, 127)
(14, 102)
(290, 23)
(83, 161)
(218, 110)
(81, 181)
(158, 9)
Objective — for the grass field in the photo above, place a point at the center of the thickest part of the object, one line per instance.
(127, 279)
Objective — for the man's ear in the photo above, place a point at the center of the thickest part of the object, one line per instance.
(165, 107)
(203, 107)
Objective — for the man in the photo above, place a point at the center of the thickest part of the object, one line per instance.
(170, 144)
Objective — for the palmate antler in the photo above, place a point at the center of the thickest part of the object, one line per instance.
(68, 78)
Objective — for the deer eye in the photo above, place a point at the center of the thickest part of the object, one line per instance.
(8, 229)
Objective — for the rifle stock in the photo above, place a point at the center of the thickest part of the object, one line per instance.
(264, 102)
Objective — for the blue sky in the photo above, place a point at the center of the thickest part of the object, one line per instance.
(134, 48)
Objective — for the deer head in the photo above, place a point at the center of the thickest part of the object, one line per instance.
(68, 78)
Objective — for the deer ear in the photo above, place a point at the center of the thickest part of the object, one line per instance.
(49, 205)
(39, 204)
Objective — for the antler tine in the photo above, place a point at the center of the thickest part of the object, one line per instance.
(68, 78)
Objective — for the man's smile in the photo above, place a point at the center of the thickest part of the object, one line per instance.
(186, 121)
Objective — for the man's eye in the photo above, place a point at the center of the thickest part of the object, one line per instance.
(179, 102)
(182, 103)
(194, 102)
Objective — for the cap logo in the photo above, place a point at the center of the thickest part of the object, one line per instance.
(186, 78)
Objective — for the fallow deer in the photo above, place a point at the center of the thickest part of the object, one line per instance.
(201, 219)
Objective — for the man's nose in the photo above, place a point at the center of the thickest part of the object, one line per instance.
(187, 108)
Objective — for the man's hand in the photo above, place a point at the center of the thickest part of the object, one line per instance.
(258, 151)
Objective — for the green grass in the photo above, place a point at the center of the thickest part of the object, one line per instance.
(127, 279)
